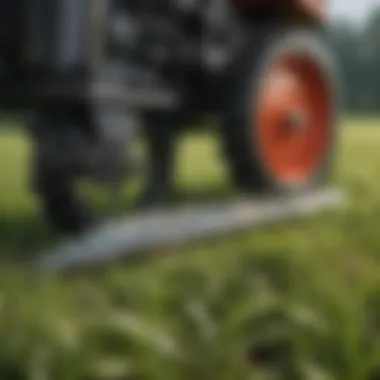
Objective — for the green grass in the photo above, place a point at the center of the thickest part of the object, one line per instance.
(302, 298)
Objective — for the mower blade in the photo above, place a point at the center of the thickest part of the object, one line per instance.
(124, 239)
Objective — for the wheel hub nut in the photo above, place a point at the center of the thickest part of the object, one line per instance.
(297, 120)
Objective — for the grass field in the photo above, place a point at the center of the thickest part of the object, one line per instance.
(302, 301)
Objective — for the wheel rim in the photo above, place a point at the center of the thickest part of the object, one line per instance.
(294, 115)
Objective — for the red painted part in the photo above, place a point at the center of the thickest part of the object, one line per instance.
(315, 8)
(293, 114)
(311, 9)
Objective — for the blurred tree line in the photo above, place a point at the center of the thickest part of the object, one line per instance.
(357, 50)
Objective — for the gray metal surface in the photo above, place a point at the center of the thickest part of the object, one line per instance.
(125, 238)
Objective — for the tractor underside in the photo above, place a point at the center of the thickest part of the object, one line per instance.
(97, 73)
(122, 52)
(144, 54)
(96, 68)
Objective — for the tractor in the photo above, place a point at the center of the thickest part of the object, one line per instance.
(97, 73)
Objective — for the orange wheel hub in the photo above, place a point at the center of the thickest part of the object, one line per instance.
(293, 118)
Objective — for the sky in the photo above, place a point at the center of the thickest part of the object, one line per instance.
(355, 10)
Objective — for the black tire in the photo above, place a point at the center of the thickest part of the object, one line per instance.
(66, 151)
(55, 171)
(240, 142)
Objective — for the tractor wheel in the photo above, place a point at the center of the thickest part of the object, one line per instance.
(55, 171)
(281, 113)
(63, 158)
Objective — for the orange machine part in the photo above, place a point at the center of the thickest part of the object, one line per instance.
(313, 8)
(293, 117)
(299, 10)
